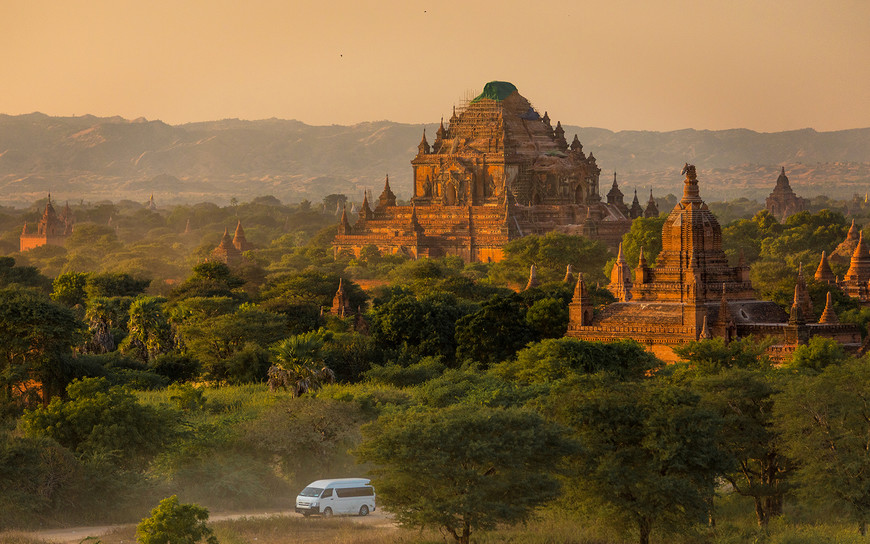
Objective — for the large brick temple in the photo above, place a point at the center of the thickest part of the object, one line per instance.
(692, 293)
(498, 171)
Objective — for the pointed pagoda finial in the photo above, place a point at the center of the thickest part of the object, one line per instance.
(569, 275)
(533, 278)
(619, 257)
(580, 291)
(824, 272)
(829, 315)
(343, 224)
(641, 262)
(705, 331)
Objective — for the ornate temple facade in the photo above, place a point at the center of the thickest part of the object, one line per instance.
(693, 293)
(783, 201)
(496, 172)
(51, 229)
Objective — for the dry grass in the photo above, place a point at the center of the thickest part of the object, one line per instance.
(14, 537)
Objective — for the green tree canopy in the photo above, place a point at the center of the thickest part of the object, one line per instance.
(551, 253)
(36, 341)
(824, 421)
(172, 522)
(495, 332)
(101, 419)
(648, 455)
(463, 468)
(559, 358)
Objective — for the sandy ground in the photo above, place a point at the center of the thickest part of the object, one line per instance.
(74, 535)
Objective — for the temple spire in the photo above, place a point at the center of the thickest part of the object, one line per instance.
(691, 194)
(569, 275)
(533, 278)
(829, 315)
(705, 331)
(824, 272)
(387, 197)
(344, 225)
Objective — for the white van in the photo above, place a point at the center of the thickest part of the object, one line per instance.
(347, 496)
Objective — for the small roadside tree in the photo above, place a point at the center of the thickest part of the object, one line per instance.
(174, 523)
(297, 364)
(463, 468)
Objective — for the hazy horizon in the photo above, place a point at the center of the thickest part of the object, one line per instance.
(620, 65)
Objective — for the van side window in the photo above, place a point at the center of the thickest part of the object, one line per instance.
(344, 492)
(326, 493)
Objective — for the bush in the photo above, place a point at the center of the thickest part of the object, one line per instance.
(175, 523)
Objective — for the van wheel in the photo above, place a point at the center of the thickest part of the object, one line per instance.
(364, 510)
(327, 513)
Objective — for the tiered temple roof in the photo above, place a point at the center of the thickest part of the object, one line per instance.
(693, 293)
(496, 172)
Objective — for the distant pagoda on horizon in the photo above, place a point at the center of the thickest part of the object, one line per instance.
(783, 201)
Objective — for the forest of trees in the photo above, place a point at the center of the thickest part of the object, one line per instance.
(133, 369)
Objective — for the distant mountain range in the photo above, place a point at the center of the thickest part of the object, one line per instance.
(91, 158)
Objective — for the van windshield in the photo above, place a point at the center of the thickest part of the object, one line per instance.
(311, 492)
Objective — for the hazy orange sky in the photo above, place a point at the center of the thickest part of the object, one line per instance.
(641, 65)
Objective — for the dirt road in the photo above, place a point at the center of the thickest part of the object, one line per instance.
(74, 535)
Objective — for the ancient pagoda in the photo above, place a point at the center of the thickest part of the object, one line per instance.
(692, 292)
(783, 201)
(498, 170)
(51, 229)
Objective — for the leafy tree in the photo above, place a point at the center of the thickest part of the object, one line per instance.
(551, 253)
(817, 354)
(36, 341)
(149, 332)
(548, 318)
(825, 421)
(648, 454)
(646, 233)
(231, 346)
(210, 279)
(495, 332)
(101, 419)
(115, 285)
(715, 355)
(172, 522)
(757, 468)
(107, 320)
(69, 288)
(298, 366)
(463, 468)
(417, 326)
(24, 276)
(560, 358)
(312, 287)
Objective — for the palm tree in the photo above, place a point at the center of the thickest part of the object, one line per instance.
(297, 366)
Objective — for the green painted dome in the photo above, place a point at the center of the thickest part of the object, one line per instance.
(496, 90)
